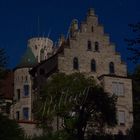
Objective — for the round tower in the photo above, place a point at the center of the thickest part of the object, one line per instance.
(41, 47)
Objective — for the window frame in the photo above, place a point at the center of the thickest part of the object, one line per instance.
(96, 46)
(89, 45)
(121, 120)
(117, 89)
(18, 94)
(75, 63)
(111, 68)
(25, 112)
(28, 89)
(93, 65)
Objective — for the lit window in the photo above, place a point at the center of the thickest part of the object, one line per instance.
(89, 45)
(111, 68)
(26, 90)
(121, 118)
(118, 88)
(26, 113)
(75, 63)
(96, 46)
(93, 65)
(17, 115)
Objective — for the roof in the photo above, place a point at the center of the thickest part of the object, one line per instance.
(28, 59)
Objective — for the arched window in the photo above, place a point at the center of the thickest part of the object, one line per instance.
(89, 45)
(93, 65)
(92, 28)
(111, 68)
(75, 63)
(96, 46)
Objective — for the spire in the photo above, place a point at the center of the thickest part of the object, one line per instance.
(91, 12)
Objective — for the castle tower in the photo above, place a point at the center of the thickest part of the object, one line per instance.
(41, 47)
(21, 110)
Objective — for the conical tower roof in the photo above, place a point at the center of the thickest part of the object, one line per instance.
(28, 59)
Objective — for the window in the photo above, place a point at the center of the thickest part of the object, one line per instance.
(26, 113)
(96, 46)
(36, 47)
(26, 77)
(17, 115)
(89, 45)
(118, 88)
(111, 68)
(92, 28)
(75, 63)
(18, 94)
(121, 118)
(26, 90)
(93, 65)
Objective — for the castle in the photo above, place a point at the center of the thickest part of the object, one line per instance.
(88, 50)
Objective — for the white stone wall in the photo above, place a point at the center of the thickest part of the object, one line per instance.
(38, 43)
(124, 103)
(30, 129)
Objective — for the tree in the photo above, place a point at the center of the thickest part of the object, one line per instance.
(79, 102)
(3, 62)
(134, 43)
(9, 129)
(136, 101)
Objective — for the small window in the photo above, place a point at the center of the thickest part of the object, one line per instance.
(111, 68)
(26, 77)
(75, 63)
(18, 94)
(96, 46)
(26, 113)
(121, 118)
(36, 47)
(26, 90)
(118, 88)
(17, 115)
(92, 29)
(89, 45)
(42, 71)
(93, 65)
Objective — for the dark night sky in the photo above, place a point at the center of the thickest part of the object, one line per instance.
(19, 21)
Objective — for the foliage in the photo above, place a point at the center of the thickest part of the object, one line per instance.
(136, 102)
(58, 135)
(134, 43)
(78, 101)
(3, 62)
(9, 129)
